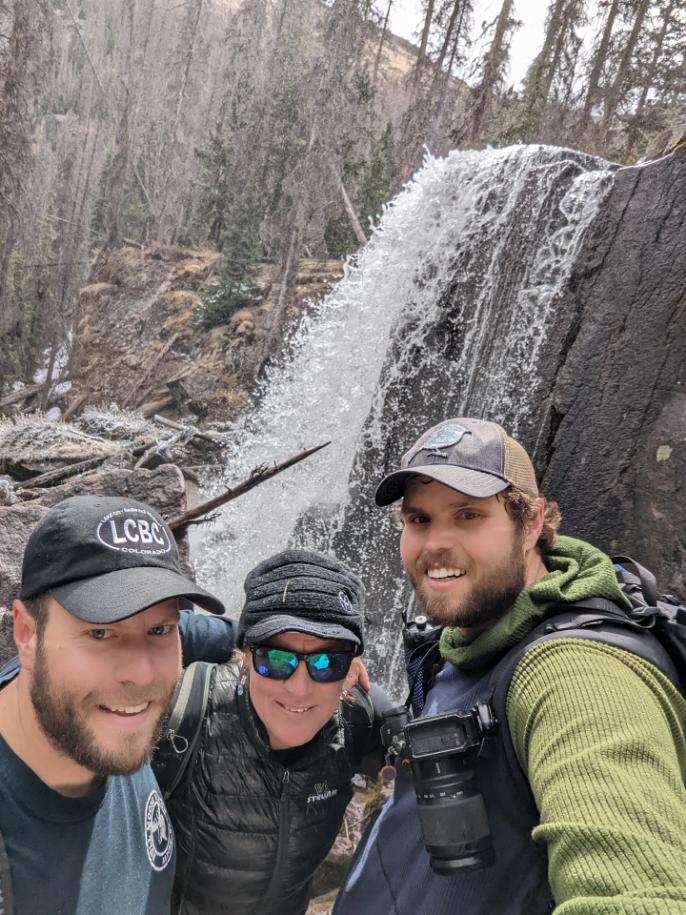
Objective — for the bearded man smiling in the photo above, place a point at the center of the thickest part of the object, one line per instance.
(83, 825)
(583, 787)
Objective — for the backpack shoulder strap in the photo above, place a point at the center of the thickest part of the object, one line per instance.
(607, 624)
(184, 724)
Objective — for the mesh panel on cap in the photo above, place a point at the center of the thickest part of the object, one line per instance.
(518, 467)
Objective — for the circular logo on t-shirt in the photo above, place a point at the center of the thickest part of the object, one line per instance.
(159, 838)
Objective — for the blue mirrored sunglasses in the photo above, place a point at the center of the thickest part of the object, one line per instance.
(281, 663)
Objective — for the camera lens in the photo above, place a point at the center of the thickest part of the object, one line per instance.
(451, 809)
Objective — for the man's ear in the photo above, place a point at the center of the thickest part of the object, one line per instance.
(25, 633)
(535, 526)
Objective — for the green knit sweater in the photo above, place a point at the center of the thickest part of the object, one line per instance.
(600, 735)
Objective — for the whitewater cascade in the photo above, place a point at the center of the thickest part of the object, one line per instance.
(446, 311)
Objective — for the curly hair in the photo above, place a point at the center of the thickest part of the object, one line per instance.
(520, 506)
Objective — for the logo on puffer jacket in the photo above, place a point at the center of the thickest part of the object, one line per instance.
(322, 793)
(159, 837)
(133, 530)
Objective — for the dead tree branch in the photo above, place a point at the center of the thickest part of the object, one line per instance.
(259, 475)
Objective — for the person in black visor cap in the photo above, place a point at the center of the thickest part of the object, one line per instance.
(285, 728)
(96, 627)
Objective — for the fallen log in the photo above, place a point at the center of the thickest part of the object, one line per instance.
(258, 475)
(148, 370)
(22, 394)
(190, 430)
(154, 406)
(73, 470)
(73, 407)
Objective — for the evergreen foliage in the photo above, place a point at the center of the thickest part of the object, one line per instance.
(277, 129)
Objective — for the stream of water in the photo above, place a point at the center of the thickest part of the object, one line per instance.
(492, 234)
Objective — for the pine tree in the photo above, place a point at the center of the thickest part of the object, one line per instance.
(493, 70)
(660, 73)
(555, 64)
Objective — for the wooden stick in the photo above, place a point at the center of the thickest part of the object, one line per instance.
(22, 394)
(73, 470)
(196, 433)
(150, 407)
(259, 475)
(352, 215)
(150, 369)
(75, 405)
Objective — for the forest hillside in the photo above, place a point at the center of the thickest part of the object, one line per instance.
(275, 130)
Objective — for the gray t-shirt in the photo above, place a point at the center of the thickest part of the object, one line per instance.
(110, 853)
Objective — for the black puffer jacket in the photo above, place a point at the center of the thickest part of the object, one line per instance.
(250, 830)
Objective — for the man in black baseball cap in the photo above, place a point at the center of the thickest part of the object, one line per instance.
(97, 633)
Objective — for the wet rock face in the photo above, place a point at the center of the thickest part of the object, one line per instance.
(614, 455)
(606, 415)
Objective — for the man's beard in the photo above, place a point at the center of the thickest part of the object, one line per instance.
(65, 727)
(489, 599)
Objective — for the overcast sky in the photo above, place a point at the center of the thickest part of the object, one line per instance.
(406, 20)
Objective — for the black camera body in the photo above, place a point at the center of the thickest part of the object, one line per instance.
(442, 750)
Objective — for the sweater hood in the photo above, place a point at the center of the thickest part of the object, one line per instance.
(576, 571)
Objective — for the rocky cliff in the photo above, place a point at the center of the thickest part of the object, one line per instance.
(605, 415)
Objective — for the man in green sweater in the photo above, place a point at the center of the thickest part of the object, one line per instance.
(597, 730)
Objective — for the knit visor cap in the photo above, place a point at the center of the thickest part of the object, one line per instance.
(106, 558)
(473, 456)
(302, 591)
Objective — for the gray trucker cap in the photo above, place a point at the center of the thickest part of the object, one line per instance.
(474, 456)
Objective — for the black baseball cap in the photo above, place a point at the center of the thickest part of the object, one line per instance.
(302, 591)
(105, 558)
(474, 456)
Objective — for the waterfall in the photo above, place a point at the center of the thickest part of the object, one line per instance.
(448, 310)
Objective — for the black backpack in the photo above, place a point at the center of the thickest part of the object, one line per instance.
(654, 629)
(175, 755)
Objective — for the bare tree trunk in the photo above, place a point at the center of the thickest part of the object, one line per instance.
(47, 384)
(105, 95)
(194, 18)
(563, 31)
(424, 41)
(612, 98)
(599, 61)
(492, 69)
(86, 50)
(458, 6)
(169, 153)
(379, 50)
(439, 108)
(352, 215)
(649, 78)
(540, 71)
